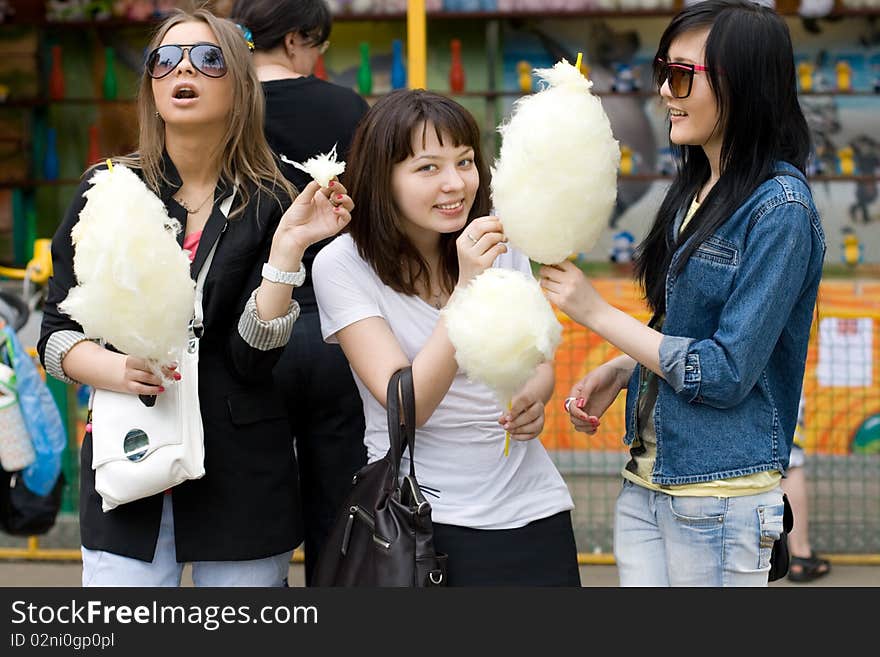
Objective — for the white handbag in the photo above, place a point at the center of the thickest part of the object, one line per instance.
(139, 451)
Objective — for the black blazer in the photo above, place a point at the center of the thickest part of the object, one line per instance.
(247, 504)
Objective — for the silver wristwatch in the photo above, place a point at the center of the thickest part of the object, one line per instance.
(274, 275)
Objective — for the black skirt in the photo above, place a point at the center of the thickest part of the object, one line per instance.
(543, 553)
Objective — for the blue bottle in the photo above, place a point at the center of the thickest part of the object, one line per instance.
(51, 165)
(398, 72)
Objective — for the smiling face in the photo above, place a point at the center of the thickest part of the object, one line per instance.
(186, 96)
(435, 187)
(695, 119)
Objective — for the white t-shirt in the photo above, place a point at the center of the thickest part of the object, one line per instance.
(459, 460)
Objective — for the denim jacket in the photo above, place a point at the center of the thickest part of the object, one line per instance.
(737, 323)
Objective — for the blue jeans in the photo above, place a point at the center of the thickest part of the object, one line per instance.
(666, 540)
(102, 568)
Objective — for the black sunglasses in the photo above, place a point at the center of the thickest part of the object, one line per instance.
(680, 76)
(206, 58)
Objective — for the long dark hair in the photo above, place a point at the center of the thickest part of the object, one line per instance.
(384, 138)
(271, 20)
(752, 74)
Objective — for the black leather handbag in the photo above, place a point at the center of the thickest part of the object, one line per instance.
(383, 535)
(780, 557)
(23, 512)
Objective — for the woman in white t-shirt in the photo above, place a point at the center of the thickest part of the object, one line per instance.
(420, 230)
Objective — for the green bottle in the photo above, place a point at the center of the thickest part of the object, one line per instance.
(365, 75)
(110, 86)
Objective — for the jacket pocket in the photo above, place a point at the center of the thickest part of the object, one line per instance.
(719, 251)
(251, 407)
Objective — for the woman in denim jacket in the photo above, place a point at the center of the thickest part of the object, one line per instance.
(730, 269)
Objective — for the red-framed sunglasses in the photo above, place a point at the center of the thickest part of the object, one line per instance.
(680, 76)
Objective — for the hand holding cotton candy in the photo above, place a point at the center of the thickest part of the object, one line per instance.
(134, 288)
(322, 168)
(527, 330)
(554, 184)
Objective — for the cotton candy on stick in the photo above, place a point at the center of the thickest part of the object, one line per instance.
(134, 288)
(322, 168)
(502, 328)
(554, 183)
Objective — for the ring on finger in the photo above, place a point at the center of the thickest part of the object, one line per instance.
(567, 403)
(471, 238)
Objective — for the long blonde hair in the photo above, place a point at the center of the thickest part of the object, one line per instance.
(246, 156)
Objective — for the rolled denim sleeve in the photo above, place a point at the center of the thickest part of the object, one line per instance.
(721, 370)
(674, 359)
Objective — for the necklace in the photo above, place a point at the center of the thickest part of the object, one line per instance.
(436, 299)
(190, 210)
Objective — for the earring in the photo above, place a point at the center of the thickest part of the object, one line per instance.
(158, 116)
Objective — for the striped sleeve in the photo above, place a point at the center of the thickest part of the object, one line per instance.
(265, 335)
(57, 346)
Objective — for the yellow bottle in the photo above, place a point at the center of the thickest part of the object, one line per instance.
(851, 250)
(626, 160)
(844, 76)
(805, 76)
(847, 163)
(524, 70)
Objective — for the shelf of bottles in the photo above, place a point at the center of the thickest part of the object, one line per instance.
(75, 18)
(45, 174)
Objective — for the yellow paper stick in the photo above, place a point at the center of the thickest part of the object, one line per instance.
(507, 438)
(110, 164)
(579, 60)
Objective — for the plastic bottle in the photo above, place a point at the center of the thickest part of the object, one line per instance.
(365, 74)
(94, 153)
(398, 72)
(110, 86)
(51, 164)
(456, 70)
(320, 71)
(56, 75)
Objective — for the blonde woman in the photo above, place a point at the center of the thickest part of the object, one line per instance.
(201, 139)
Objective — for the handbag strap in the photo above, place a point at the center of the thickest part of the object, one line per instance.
(401, 406)
(197, 324)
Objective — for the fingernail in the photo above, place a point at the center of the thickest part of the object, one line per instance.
(161, 388)
(580, 402)
(339, 197)
(177, 376)
(330, 184)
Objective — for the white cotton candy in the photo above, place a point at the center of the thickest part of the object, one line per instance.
(502, 328)
(555, 181)
(322, 168)
(134, 288)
